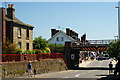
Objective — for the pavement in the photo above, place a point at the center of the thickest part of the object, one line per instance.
(85, 63)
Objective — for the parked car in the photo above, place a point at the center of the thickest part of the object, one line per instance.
(100, 58)
(106, 56)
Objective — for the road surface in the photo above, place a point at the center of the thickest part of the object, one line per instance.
(96, 69)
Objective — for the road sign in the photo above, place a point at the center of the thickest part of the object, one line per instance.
(72, 56)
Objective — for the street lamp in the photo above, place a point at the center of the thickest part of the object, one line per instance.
(118, 23)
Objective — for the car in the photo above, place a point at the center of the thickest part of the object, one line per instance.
(100, 58)
(107, 57)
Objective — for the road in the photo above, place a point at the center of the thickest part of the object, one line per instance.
(96, 70)
(93, 70)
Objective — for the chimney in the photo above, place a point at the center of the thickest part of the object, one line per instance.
(11, 11)
(71, 33)
(57, 31)
(68, 31)
(3, 25)
(83, 38)
(53, 32)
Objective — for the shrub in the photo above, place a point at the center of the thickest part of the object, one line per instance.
(9, 47)
(28, 52)
(47, 50)
(37, 51)
(19, 51)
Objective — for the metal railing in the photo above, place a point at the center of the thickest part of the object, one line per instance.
(100, 41)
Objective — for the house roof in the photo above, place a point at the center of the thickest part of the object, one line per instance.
(17, 21)
(63, 34)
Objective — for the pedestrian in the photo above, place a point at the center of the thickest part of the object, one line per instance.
(34, 72)
(117, 68)
(110, 67)
(29, 69)
(25, 57)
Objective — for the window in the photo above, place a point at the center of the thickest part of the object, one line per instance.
(57, 39)
(62, 39)
(27, 34)
(19, 32)
(27, 46)
(19, 45)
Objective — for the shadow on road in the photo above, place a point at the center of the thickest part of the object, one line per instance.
(108, 77)
(91, 68)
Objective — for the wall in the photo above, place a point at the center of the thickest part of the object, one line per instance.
(43, 66)
(23, 39)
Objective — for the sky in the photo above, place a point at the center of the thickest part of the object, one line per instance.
(97, 19)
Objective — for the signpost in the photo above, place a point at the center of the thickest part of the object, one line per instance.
(72, 56)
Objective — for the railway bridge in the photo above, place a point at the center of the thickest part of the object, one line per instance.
(72, 50)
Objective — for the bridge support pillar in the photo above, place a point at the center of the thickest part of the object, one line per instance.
(71, 56)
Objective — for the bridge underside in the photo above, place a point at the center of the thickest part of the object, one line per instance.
(92, 47)
(72, 51)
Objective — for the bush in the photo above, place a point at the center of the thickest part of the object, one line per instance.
(29, 52)
(9, 47)
(19, 51)
(37, 51)
(56, 48)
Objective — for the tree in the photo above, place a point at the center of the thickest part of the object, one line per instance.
(114, 49)
(39, 43)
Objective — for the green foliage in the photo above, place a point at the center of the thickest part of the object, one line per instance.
(114, 49)
(4, 68)
(37, 51)
(39, 43)
(47, 50)
(29, 52)
(19, 51)
(55, 45)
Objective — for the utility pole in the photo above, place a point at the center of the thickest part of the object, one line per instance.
(118, 7)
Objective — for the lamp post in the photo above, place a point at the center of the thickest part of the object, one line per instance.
(118, 21)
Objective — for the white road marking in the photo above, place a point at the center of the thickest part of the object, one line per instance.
(77, 75)
(66, 77)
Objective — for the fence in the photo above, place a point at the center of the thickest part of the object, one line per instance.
(28, 57)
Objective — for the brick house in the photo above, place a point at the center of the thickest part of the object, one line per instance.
(15, 30)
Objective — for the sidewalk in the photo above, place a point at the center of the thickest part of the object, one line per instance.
(114, 63)
(85, 63)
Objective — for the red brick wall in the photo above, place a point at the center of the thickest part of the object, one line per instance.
(29, 57)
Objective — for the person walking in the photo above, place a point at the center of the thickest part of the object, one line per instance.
(117, 68)
(29, 68)
(34, 72)
(110, 67)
